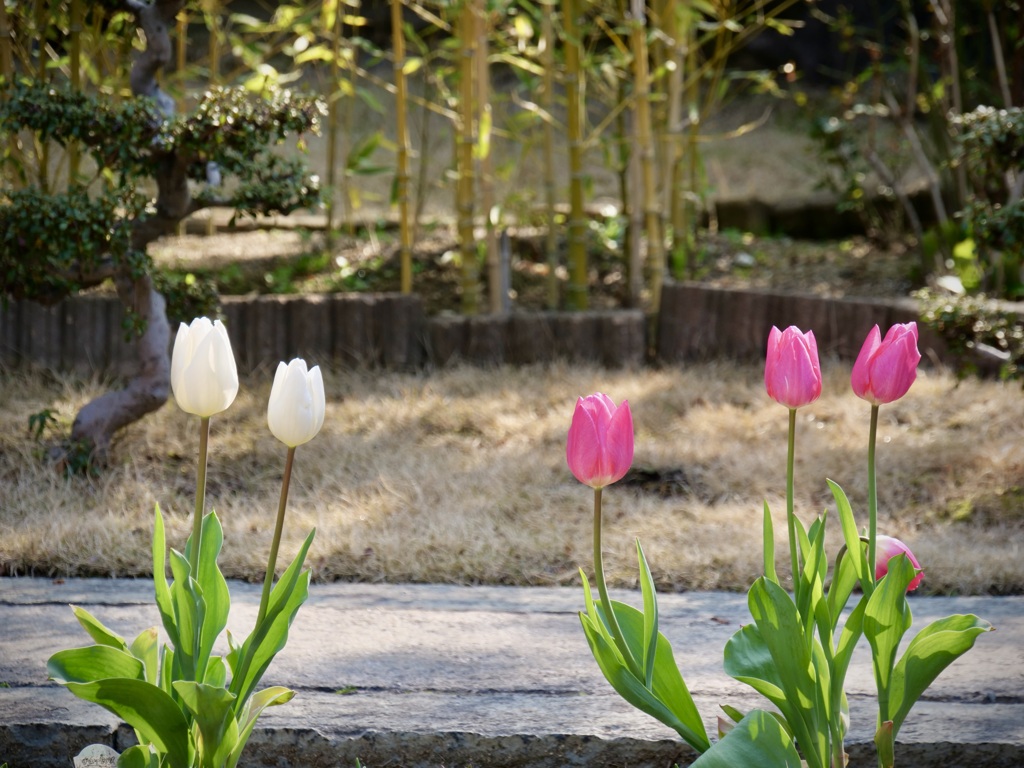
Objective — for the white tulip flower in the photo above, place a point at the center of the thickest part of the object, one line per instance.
(296, 409)
(204, 378)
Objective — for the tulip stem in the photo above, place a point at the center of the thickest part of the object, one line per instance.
(872, 494)
(790, 515)
(197, 515)
(268, 580)
(602, 589)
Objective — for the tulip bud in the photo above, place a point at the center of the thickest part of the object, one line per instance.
(599, 449)
(296, 409)
(204, 378)
(886, 548)
(792, 374)
(885, 369)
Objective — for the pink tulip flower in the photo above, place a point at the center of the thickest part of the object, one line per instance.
(885, 369)
(599, 450)
(886, 548)
(792, 374)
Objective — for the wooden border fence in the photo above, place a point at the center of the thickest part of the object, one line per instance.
(391, 331)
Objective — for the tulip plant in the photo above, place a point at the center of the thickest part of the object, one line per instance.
(189, 707)
(798, 648)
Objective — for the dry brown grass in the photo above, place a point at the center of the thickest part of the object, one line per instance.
(460, 476)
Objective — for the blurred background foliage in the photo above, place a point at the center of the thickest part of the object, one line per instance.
(915, 105)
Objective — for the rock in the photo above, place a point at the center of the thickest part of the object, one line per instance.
(97, 756)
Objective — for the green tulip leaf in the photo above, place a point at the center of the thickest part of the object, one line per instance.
(164, 602)
(814, 608)
(592, 615)
(216, 672)
(211, 707)
(852, 630)
(885, 743)
(668, 701)
(844, 580)
(145, 649)
(748, 660)
(267, 639)
(97, 662)
(234, 653)
(732, 713)
(167, 670)
(213, 587)
(188, 615)
(139, 756)
(147, 709)
(268, 697)
(281, 592)
(97, 631)
(768, 538)
(757, 741)
(854, 549)
(799, 664)
(887, 618)
(932, 650)
(650, 615)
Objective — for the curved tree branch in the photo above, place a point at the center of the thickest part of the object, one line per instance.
(155, 19)
(98, 420)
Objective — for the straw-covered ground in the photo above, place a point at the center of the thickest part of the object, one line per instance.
(460, 476)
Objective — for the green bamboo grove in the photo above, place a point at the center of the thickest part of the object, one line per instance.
(562, 86)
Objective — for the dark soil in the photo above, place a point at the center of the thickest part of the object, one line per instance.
(293, 261)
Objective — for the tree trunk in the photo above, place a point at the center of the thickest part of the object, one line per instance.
(98, 420)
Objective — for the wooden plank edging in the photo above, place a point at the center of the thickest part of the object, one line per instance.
(392, 331)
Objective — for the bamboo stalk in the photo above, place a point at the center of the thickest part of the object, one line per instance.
(352, 72)
(495, 279)
(576, 294)
(182, 55)
(466, 175)
(629, 176)
(688, 208)
(7, 72)
(945, 12)
(547, 34)
(997, 54)
(332, 30)
(42, 147)
(402, 175)
(6, 47)
(629, 183)
(75, 62)
(213, 24)
(645, 150)
(673, 165)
